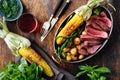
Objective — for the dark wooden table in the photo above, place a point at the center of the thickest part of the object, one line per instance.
(109, 56)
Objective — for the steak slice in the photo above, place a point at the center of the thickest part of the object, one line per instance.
(102, 25)
(89, 38)
(93, 49)
(96, 33)
(83, 51)
(91, 43)
(103, 14)
(104, 19)
(92, 24)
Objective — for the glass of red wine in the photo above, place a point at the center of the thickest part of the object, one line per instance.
(28, 23)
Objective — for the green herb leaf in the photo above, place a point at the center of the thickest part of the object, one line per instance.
(86, 67)
(5, 4)
(103, 78)
(91, 76)
(97, 11)
(93, 72)
(80, 73)
(103, 70)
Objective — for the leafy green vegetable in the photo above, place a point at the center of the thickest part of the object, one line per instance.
(5, 4)
(93, 72)
(9, 8)
(97, 11)
(22, 71)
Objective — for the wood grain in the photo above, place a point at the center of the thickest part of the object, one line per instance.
(42, 9)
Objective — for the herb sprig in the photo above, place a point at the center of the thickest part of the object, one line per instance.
(93, 72)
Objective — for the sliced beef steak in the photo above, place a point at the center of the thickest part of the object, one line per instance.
(93, 49)
(96, 33)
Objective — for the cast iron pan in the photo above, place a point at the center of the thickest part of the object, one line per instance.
(103, 44)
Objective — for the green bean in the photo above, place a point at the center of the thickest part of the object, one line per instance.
(68, 40)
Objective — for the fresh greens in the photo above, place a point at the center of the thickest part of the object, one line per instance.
(9, 8)
(22, 71)
(93, 72)
(97, 11)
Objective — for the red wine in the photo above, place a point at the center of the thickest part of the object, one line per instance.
(28, 23)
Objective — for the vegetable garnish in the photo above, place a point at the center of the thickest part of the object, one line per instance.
(22, 71)
(9, 8)
(93, 72)
(97, 11)
(21, 46)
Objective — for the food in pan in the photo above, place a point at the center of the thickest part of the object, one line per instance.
(83, 32)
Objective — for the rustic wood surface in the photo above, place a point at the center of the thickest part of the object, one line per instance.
(42, 9)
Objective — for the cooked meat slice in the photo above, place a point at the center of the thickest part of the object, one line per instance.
(83, 51)
(103, 14)
(93, 49)
(89, 38)
(102, 25)
(96, 33)
(91, 43)
(92, 24)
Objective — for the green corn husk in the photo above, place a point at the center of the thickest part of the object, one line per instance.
(86, 10)
(13, 41)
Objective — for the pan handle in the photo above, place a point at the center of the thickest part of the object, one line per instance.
(109, 6)
(59, 72)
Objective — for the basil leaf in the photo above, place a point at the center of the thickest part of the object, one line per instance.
(93, 72)
(86, 67)
(80, 73)
(102, 78)
(97, 11)
(91, 76)
(103, 70)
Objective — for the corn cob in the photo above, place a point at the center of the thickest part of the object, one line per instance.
(72, 25)
(21, 46)
(81, 14)
(32, 56)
